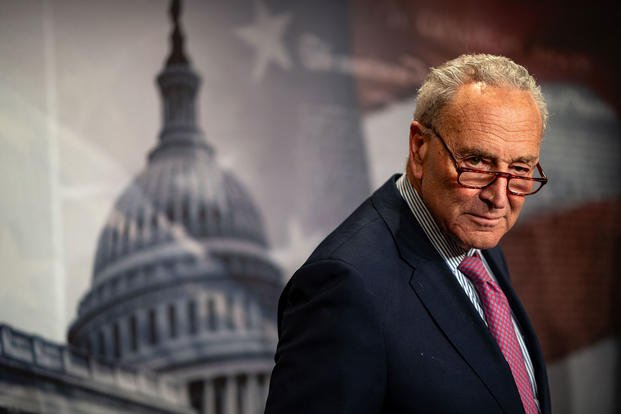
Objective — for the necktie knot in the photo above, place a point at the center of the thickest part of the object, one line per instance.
(474, 269)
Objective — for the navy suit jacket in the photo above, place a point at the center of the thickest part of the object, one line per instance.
(375, 322)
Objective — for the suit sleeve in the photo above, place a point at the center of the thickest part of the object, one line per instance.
(330, 356)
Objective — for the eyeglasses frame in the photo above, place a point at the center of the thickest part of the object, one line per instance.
(496, 174)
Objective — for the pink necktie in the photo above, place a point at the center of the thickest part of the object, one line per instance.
(498, 316)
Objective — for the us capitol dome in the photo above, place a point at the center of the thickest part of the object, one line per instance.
(182, 281)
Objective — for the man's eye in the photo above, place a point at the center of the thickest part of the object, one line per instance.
(521, 170)
(474, 161)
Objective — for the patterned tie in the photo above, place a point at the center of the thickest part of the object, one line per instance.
(498, 316)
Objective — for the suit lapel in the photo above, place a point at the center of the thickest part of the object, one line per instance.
(436, 287)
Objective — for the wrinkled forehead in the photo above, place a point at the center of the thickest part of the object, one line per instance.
(503, 124)
(477, 105)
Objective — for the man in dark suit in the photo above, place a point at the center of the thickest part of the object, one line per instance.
(407, 307)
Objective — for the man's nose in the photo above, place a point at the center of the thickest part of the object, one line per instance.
(495, 193)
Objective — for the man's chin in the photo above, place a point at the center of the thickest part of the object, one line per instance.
(486, 245)
(480, 240)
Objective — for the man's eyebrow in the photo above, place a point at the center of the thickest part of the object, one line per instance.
(470, 151)
(526, 159)
(478, 152)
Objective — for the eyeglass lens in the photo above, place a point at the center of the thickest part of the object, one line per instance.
(516, 185)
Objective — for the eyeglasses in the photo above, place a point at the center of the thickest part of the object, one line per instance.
(474, 178)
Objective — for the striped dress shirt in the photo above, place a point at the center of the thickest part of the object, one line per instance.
(452, 256)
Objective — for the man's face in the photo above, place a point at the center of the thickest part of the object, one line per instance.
(488, 128)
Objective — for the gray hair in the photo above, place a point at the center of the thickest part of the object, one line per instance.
(443, 82)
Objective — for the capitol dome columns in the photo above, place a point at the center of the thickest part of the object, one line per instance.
(226, 396)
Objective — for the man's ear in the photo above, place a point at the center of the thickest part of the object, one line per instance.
(419, 145)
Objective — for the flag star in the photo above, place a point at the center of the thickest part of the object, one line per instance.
(265, 36)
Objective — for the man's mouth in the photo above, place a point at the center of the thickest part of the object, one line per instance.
(485, 220)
